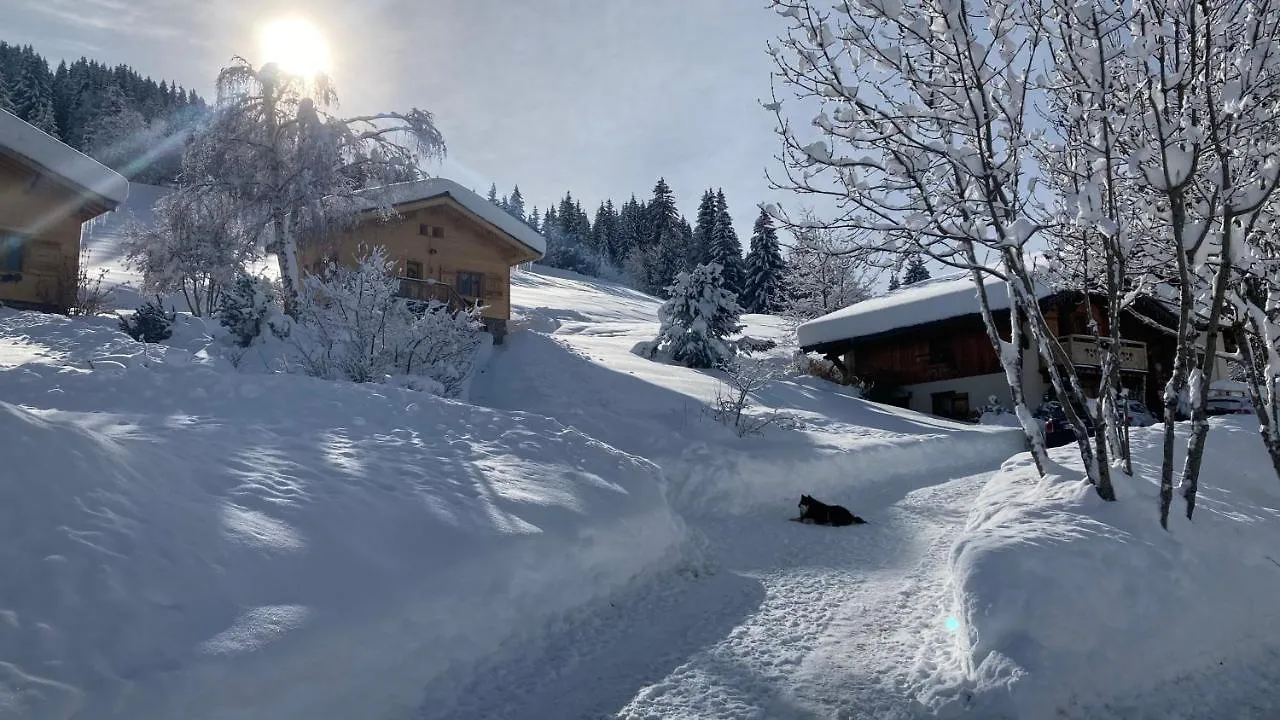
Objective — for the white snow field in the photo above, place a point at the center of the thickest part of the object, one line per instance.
(1082, 608)
(179, 540)
(194, 541)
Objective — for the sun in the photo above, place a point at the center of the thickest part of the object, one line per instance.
(296, 45)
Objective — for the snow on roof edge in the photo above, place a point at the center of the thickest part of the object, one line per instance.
(50, 153)
(943, 298)
(419, 190)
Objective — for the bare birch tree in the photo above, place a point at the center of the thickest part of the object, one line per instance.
(923, 139)
(295, 169)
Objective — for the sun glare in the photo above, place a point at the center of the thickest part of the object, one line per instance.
(296, 45)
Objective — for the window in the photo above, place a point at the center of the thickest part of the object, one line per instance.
(12, 249)
(470, 284)
(413, 269)
(434, 231)
(437, 231)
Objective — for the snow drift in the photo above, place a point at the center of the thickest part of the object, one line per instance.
(179, 540)
(1067, 602)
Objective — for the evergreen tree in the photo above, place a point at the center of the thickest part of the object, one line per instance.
(893, 282)
(916, 271)
(6, 97)
(515, 204)
(765, 269)
(631, 224)
(661, 250)
(604, 232)
(535, 219)
(33, 94)
(493, 193)
(726, 249)
(550, 223)
(696, 320)
(701, 250)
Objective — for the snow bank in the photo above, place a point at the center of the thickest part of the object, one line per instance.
(1066, 602)
(946, 297)
(179, 540)
(62, 159)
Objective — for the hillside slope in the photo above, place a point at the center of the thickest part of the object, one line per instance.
(181, 540)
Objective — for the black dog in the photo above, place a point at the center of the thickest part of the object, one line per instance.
(812, 511)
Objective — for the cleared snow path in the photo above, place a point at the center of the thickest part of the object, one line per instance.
(796, 621)
(780, 620)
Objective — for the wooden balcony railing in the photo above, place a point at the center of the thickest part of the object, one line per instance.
(422, 290)
(1083, 350)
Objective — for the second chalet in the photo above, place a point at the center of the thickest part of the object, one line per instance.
(925, 347)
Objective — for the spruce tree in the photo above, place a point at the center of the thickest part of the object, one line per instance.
(662, 242)
(6, 98)
(33, 94)
(726, 249)
(696, 320)
(493, 193)
(893, 282)
(765, 269)
(515, 204)
(604, 231)
(535, 219)
(701, 250)
(916, 271)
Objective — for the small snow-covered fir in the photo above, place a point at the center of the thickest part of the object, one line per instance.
(696, 320)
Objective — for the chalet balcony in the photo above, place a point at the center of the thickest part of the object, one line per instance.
(427, 290)
(1083, 351)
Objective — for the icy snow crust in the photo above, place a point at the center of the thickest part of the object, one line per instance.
(416, 191)
(178, 540)
(1073, 607)
(48, 152)
(926, 302)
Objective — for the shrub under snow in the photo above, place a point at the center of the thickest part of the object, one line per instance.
(151, 323)
(352, 326)
(696, 320)
(246, 308)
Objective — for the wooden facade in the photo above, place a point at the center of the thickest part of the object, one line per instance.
(441, 251)
(40, 218)
(958, 349)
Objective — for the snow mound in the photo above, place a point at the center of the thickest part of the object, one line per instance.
(1067, 603)
(179, 540)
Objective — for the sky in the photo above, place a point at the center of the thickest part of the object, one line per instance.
(600, 97)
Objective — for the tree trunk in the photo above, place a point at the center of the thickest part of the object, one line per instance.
(1264, 404)
(1022, 292)
(1199, 420)
(1011, 363)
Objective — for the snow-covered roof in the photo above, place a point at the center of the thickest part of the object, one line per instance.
(419, 190)
(51, 154)
(929, 301)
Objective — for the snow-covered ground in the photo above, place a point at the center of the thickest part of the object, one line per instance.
(584, 541)
(178, 539)
(1088, 609)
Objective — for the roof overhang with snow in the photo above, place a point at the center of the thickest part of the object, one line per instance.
(400, 195)
(924, 303)
(95, 182)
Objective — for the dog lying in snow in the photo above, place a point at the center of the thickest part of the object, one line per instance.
(812, 511)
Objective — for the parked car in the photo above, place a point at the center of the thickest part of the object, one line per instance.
(1228, 406)
(1140, 416)
(1057, 430)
